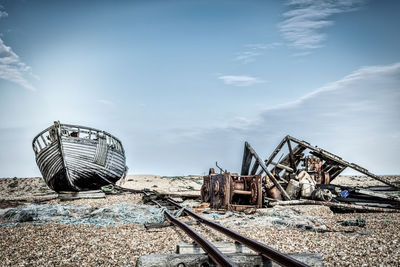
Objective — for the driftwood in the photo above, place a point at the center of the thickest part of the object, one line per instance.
(83, 194)
(332, 205)
(375, 194)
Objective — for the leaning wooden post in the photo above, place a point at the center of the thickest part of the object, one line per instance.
(291, 156)
(246, 161)
(262, 165)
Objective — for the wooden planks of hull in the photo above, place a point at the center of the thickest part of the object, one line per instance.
(76, 158)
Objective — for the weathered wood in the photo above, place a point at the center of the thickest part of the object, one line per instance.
(333, 205)
(246, 161)
(282, 166)
(327, 165)
(276, 151)
(262, 165)
(196, 260)
(224, 247)
(255, 168)
(44, 141)
(64, 195)
(374, 194)
(337, 172)
(327, 155)
(242, 260)
(71, 161)
(291, 156)
(286, 160)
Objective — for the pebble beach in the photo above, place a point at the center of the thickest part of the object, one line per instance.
(49, 243)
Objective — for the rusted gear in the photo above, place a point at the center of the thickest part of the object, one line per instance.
(254, 193)
(216, 187)
(205, 193)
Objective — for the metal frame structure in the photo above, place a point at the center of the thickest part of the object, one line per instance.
(323, 165)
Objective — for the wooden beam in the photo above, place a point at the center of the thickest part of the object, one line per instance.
(269, 174)
(333, 205)
(337, 172)
(246, 161)
(276, 151)
(280, 166)
(255, 168)
(241, 259)
(298, 149)
(291, 156)
(224, 247)
(325, 154)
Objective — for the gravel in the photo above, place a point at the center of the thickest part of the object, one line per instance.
(48, 243)
(376, 244)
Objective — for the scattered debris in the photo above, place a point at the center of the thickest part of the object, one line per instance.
(302, 175)
(11, 203)
(357, 222)
(335, 205)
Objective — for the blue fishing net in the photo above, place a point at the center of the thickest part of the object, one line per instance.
(71, 214)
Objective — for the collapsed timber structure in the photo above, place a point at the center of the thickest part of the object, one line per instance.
(302, 171)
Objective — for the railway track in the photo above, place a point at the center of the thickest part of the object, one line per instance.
(214, 253)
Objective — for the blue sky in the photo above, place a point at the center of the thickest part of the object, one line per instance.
(184, 83)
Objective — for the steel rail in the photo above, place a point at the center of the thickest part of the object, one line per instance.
(264, 250)
(214, 253)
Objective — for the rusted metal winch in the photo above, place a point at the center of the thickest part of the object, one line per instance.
(231, 191)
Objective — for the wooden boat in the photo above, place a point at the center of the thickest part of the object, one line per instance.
(78, 158)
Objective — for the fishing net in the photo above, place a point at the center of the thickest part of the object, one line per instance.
(73, 214)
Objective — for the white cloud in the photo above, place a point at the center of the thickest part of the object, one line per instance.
(11, 67)
(304, 22)
(240, 80)
(3, 14)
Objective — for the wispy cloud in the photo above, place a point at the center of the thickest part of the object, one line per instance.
(364, 75)
(105, 102)
(11, 67)
(253, 51)
(247, 56)
(264, 46)
(240, 80)
(303, 24)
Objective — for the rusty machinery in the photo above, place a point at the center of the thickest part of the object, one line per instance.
(228, 190)
(231, 191)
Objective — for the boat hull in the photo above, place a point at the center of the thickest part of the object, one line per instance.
(77, 158)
